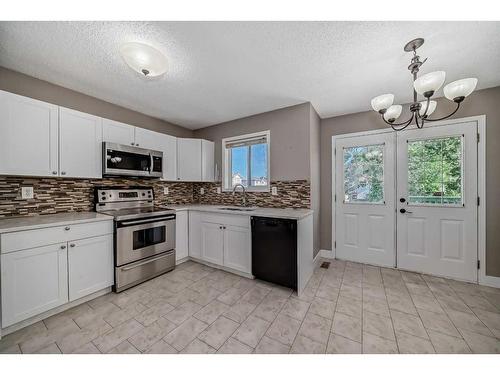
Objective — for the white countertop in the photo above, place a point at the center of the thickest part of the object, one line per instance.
(284, 213)
(52, 220)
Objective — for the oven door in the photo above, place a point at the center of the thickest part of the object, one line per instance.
(141, 238)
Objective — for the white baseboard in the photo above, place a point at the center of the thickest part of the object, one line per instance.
(326, 254)
(492, 281)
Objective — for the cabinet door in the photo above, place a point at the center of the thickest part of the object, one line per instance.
(169, 157)
(33, 281)
(118, 132)
(28, 136)
(90, 263)
(181, 235)
(80, 144)
(212, 243)
(148, 139)
(188, 159)
(237, 248)
(207, 160)
(194, 234)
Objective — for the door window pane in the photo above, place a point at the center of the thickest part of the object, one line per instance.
(435, 171)
(364, 174)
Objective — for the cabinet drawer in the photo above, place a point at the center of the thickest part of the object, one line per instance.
(28, 239)
(236, 220)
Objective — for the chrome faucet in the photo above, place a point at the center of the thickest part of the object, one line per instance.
(244, 193)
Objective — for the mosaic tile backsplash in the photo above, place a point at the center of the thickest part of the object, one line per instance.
(57, 195)
(291, 194)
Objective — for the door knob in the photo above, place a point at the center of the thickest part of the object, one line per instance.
(403, 211)
(402, 200)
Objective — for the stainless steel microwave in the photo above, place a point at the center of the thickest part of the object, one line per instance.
(123, 160)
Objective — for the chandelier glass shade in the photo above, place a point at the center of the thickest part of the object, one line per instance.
(426, 85)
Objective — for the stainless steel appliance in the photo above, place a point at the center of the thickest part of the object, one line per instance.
(123, 160)
(144, 234)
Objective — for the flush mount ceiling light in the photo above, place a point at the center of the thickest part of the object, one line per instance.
(144, 59)
(426, 85)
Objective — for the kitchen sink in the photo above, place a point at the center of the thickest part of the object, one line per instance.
(237, 208)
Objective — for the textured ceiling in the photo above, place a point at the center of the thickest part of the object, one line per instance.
(219, 71)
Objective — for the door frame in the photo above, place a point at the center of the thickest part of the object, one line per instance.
(483, 279)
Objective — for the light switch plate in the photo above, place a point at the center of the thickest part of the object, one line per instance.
(165, 190)
(274, 190)
(202, 191)
(27, 192)
(218, 189)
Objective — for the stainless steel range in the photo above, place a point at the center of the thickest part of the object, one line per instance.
(144, 234)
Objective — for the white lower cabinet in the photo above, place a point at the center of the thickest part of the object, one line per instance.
(90, 265)
(212, 243)
(238, 248)
(60, 264)
(181, 235)
(33, 281)
(216, 239)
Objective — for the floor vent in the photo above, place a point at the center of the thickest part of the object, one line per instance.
(325, 265)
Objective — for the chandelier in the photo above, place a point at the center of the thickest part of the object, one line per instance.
(426, 85)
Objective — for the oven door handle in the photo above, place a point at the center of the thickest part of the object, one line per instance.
(170, 253)
(136, 222)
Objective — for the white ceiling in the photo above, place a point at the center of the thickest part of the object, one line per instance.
(220, 71)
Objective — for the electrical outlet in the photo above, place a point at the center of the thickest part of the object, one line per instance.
(218, 190)
(27, 192)
(274, 190)
(165, 190)
(202, 191)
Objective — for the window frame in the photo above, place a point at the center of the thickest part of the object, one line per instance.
(227, 162)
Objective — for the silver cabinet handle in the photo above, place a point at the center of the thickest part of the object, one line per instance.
(63, 173)
(67, 228)
(63, 247)
(72, 245)
(54, 172)
(137, 144)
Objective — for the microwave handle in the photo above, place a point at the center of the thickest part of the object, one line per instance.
(150, 167)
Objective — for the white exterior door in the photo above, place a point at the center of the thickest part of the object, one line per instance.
(437, 200)
(212, 243)
(237, 248)
(33, 281)
(90, 263)
(80, 144)
(28, 136)
(364, 199)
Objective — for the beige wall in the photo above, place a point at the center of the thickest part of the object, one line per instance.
(483, 102)
(22, 84)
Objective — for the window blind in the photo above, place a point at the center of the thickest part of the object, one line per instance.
(247, 141)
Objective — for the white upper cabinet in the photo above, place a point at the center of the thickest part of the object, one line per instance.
(145, 138)
(169, 157)
(207, 161)
(188, 159)
(118, 132)
(28, 136)
(80, 144)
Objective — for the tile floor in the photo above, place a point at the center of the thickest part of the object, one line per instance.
(348, 308)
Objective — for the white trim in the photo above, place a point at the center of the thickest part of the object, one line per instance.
(483, 279)
(226, 161)
(327, 254)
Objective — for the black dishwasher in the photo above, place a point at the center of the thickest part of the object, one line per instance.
(274, 250)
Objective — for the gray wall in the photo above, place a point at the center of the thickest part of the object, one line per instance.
(315, 155)
(22, 84)
(295, 148)
(483, 102)
(289, 139)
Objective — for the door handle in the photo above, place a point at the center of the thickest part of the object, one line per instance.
(403, 211)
